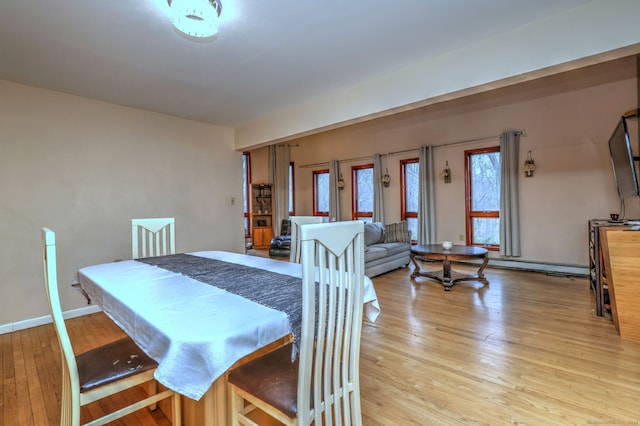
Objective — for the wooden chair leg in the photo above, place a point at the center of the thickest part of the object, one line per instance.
(236, 401)
(152, 389)
(176, 413)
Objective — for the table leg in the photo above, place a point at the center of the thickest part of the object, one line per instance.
(416, 269)
(210, 410)
(446, 275)
(481, 277)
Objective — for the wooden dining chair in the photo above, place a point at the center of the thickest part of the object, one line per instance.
(296, 222)
(322, 385)
(99, 372)
(152, 237)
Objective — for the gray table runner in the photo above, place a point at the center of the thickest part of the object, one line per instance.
(270, 289)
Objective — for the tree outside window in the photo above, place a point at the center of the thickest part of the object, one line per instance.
(362, 192)
(482, 168)
(410, 184)
(321, 192)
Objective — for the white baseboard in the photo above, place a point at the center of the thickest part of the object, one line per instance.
(34, 322)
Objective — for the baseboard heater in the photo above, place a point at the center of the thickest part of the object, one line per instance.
(555, 268)
(533, 266)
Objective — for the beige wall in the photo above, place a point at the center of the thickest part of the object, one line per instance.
(84, 168)
(568, 119)
(591, 32)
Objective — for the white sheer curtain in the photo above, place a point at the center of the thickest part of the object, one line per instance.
(334, 192)
(509, 205)
(279, 159)
(378, 196)
(426, 198)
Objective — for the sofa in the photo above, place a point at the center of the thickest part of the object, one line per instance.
(387, 247)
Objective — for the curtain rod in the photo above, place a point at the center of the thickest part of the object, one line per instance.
(350, 160)
(347, 160)
(488, 138)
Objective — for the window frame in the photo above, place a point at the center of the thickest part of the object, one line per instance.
(315, 192)
(355, 214)
(404, 214)
(292, 189)
(246, 159)
(470, 214)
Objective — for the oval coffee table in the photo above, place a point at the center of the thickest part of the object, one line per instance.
(448, 277)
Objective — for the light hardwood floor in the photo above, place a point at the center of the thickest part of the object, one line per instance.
(527, 349)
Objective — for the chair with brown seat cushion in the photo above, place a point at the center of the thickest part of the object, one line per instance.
(278, 389)
(99, 372)
(326, 372)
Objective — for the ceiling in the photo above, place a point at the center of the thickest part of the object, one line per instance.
(268, 56)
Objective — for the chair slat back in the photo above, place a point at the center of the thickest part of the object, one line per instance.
(71, 385)
(152, 237)
(296, 222)
(332, 296)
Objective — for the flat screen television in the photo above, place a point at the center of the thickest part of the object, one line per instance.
(624, 168)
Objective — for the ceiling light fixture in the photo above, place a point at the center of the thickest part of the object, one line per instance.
(196, 18)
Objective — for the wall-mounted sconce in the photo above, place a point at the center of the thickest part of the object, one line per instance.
(340, 182)
(446, 173)
(386, 179)
(529, 166)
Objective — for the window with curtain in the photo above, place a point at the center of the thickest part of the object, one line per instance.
(246, 180)
(362, 192)
(410, 185)
(482, 169)
(292, 204)
(321, 192)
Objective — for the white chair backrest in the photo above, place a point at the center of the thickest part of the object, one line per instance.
(332, 323)
(71, 392)
(152, 237)
(296, 222)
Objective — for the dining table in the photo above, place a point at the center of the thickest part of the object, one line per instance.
(198, 314)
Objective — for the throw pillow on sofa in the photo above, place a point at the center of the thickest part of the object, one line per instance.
(397, 232)
(373, 233)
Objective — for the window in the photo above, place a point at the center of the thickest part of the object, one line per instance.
(321, 192)
(362, 192)
(246, 180)
(292, 204)
(410, 184)
(482, 168)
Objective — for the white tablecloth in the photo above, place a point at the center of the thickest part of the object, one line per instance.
(194, 330)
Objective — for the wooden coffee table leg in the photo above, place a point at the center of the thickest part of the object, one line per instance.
(446, 275)
(481, 277)
(416, 269)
